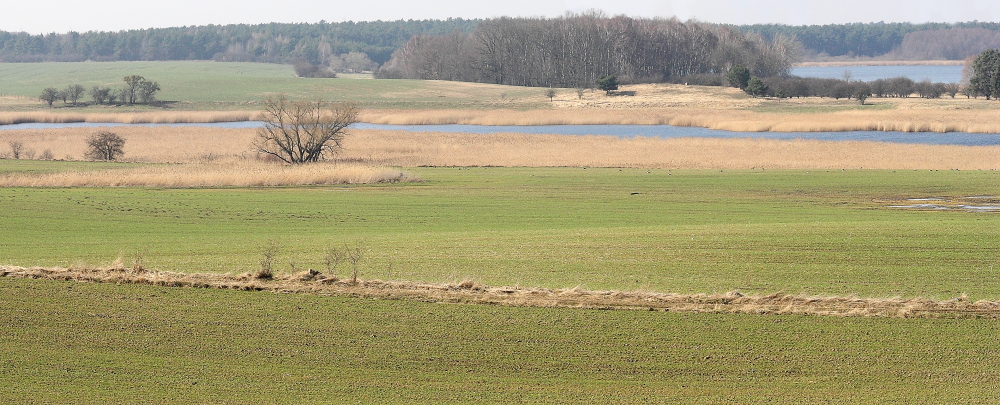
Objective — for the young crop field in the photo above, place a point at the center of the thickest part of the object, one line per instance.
(241, 86)
(67, 342)
(806, 232)
(827, 232)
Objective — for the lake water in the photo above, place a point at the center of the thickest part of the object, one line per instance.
(625, 131)
(942, 74)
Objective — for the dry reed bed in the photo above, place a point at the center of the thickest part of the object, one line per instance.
(909, 118)
(143, 144)
(237, 174)
(449, 149)
(411, 149)
(157, 117)
(468, 292)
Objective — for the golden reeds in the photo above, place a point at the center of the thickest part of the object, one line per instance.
(398, 148)
(411, 149)
(142, 144)
(158, 117)
(230, 174)
(469, 292)
(912, 119)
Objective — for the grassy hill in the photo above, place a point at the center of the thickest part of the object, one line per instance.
(235, 86)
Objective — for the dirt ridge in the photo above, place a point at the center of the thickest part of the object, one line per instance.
(468, 292)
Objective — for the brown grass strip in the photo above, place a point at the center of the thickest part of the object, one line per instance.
(468, 292)
(911, 117)
(397, 148)
(154, 117)
(411, 149)
(235, 174)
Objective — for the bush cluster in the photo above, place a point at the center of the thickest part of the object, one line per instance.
(137, 90)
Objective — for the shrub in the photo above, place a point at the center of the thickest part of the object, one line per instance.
(105, 145)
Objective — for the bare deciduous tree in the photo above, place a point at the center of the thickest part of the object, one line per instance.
(147, 91)
(16, 148)
(105, 145)
(100, 94)
(131, 89)
(355, 254)
(576, 49)
(303, 131)
(332, 257)
(72, 93)
(49, 95)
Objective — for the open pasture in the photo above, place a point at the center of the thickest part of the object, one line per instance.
(827, 232)
(190, 85)
(226, 91)
(106, 343)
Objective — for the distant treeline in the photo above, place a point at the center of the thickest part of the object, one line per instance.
(574, 50)
(322, 43)
(280, 43)
(877, 39)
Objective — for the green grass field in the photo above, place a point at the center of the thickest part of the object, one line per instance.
(84, 343)
(241, 86)
(811, 232)
(814, 232)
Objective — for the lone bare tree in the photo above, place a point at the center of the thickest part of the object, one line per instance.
(303, 131)
(105, 145)
(16, 149)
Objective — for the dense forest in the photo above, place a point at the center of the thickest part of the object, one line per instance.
(279, 43)
(576, 49)
(870, 39)
(327, 44)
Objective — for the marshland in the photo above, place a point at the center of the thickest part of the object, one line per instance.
(433, 267)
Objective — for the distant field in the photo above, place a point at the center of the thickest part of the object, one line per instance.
(218, 89)
(240, 86)
(813, 232)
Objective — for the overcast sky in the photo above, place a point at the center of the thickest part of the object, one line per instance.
(113, 15)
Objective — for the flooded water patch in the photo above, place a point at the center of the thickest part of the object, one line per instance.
(970, 204)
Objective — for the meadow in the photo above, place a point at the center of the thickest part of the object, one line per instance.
(228, 86)
(822, 232)
(106, 343)
(550, 225)
(228, 91)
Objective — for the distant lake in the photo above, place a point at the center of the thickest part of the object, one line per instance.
(623, 131)
(936, 73)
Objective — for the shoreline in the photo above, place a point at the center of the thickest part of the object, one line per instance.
(943, 121)
(880, 63)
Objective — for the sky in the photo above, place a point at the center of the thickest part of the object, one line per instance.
(113, 15)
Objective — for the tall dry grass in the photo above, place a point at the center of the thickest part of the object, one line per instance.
(448, 149)
(158, 117)
(229, 174)
(398, 148)
(469, 292)
(142, 144)
(912, 118)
